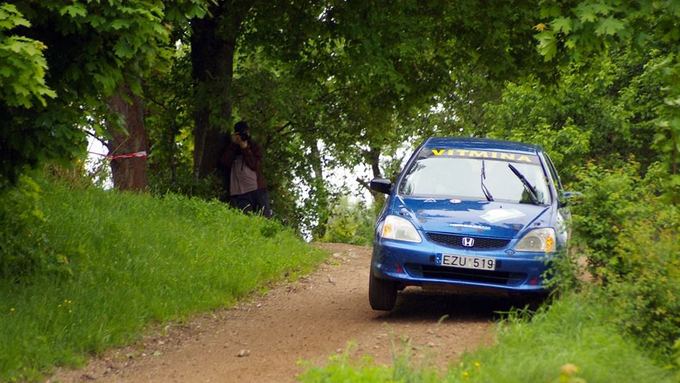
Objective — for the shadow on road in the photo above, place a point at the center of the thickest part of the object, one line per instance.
(416, 304)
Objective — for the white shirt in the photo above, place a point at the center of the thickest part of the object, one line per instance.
(242, 179)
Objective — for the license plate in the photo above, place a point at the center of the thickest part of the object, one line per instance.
(468, 262)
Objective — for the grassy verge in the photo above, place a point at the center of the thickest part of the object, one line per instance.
(571, 341)
(126, 261)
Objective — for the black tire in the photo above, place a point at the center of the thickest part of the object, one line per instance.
(382, 294)
(536, 300)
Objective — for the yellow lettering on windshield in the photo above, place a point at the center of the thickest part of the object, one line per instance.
(503, 156)
(474, 153)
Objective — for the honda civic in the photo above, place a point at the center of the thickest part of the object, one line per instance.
(475, 214)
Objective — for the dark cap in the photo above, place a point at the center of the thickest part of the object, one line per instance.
(241, 127)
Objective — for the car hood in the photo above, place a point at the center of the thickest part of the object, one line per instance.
(484, 218)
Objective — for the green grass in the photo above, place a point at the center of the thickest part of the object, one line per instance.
(575, 330)
(133, 260)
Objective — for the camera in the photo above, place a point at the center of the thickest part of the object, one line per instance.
(244, 135)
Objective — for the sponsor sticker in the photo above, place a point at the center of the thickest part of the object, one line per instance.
(497, 215)
(469, 226)
(484, 154)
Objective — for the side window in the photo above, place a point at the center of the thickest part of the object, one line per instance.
(553, 173)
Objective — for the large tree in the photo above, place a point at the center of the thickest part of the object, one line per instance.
(573, 31)
(383, 64)
(235, 27)
(66, 63)
(213, 45)
(359, 72)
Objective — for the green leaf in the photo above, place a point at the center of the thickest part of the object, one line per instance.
(571, 42)
(562, 24)
(601, 8)
(123, 50)
(585, 13)
(10, 17)
(14, 45)
(118, 24)
(550, 11)
(547, 44)
(609, 26)
(74, 10)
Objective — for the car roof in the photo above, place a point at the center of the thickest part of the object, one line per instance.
(480, 143)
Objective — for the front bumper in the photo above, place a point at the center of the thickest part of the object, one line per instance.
(417, 264)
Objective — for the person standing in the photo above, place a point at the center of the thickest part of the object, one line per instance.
(242, 160)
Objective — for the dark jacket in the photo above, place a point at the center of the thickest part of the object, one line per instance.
(252, 156)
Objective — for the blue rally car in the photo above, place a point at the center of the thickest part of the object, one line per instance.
(464, 212)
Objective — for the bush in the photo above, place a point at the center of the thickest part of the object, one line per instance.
(24, 246)
(350, 223)
(628, 227)
(611, 198)
(648, 295)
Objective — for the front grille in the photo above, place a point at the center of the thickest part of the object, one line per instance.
(456, 241)
(468, 275)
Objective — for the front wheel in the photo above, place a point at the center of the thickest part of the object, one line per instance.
(382, 294)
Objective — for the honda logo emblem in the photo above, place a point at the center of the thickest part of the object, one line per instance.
(468, 242)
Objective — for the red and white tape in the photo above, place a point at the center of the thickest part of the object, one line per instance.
(111, 157)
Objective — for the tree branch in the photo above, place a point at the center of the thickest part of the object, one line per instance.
(276, 132)
(101, 140)
(364, 183)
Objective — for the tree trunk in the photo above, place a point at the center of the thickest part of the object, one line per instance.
(128, 170)
(372, 157)
(213, 43)
(320, 193)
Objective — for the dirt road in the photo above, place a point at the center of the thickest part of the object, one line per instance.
(263, 339)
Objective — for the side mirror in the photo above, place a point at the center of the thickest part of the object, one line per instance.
(381, 185)
(568, 196)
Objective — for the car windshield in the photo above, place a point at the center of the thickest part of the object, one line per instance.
(464, 174)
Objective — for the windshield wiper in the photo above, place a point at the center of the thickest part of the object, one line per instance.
(527, 185)
(486, 192)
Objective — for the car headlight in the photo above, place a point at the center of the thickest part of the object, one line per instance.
(400, 229)
(538, 240)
